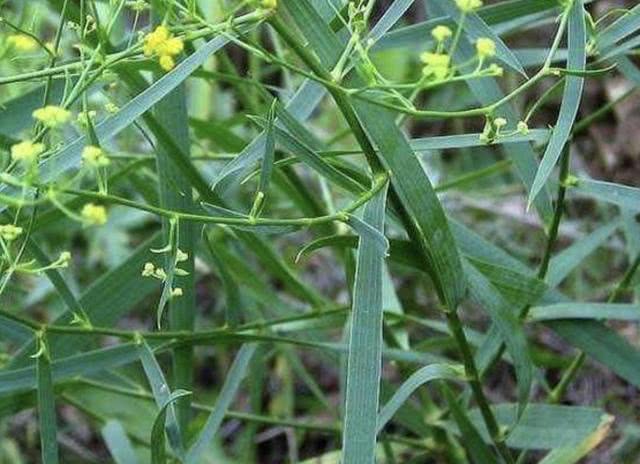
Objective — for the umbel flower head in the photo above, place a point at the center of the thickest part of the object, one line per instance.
(52, 116)
(485, 48)
(9, 232)
(95, 156)
(435, 64)
(161, 43)
(93, 214)
(26, 151)
(441, 33)
(467, 6)
(22, 42)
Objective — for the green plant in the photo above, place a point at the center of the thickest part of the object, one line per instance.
(170, 152)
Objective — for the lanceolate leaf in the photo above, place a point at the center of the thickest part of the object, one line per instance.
(570, 99)
(603, 311)
(573, 454)
(602, 344)
(623, 27)
(569, 259)
(364, 359)
(624, 196)
(545, 426)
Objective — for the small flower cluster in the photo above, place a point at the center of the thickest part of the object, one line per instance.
(493, 128)
(151, 270)
(164, 45)
(62, 262)
(467, 6)
(52, 116)
(94, 215)
(485, 48)
(435, 64)
(10, 232)
(26, 152)
(95, 157)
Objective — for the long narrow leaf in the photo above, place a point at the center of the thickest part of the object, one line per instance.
(118, 443)
(417, 379)
(46, 409)
(364, 360)
(570, 99)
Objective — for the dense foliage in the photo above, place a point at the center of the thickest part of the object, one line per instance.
(322, 231)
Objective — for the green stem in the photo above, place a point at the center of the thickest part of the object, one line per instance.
(340, 216)
(497, 437)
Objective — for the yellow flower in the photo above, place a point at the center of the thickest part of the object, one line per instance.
(160, 42)
(467, 6)
(86, 116)
(435, 64)
(486, 48)
(22, 42)
(153, 39)
(52, 116)
(95, 156)
(167, 62)
(176, 292)
(9, 232)
(26, 151)
(441, 33)
(94, 214)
